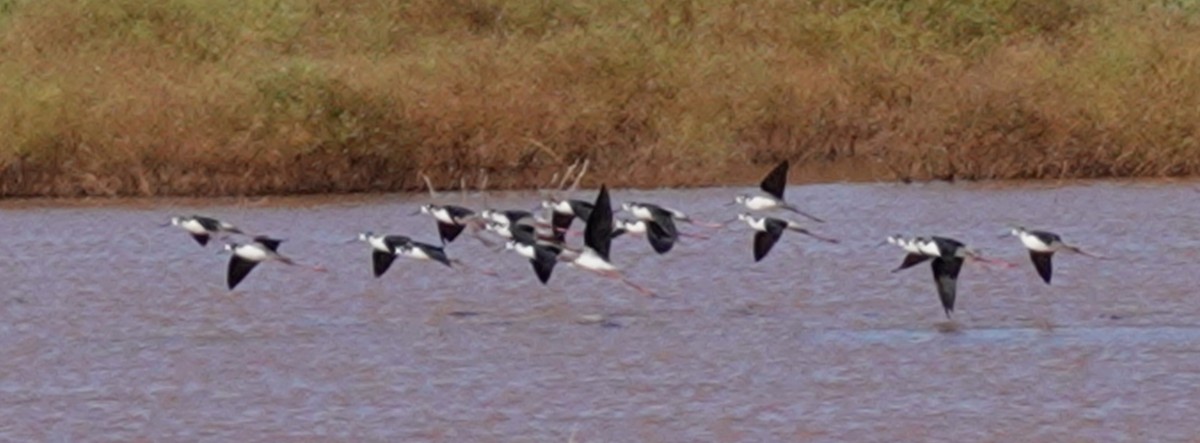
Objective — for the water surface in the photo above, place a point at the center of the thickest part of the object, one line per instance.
(113, 329)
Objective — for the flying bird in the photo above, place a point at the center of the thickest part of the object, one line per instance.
(948, 256)
(597, 240)
(451, 220)
(1042, 245)
(769, 229)
(773, 185)
(203, 228)
(248, 255)
(383, 249)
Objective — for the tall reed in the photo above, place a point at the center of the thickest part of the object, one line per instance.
(216, 97)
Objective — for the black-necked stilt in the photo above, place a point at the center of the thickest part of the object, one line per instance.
(769, 229)
(659, 224)
(451, 220)
(597, 239)
(203, 228)
(507, 230)
(500, 222)
(649, 211)
(383, 249)
(542, 256)
(248, 255)
(948, 257)
(661, 240)
(427, 252)
(509, 217)
(1042, 245)
(563, 212)
(773, 185)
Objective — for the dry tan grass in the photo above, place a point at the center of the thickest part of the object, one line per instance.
(217, 97)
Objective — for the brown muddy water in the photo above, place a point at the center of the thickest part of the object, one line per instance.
(113, 329)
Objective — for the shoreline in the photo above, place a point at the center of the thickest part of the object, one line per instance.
(422, 196)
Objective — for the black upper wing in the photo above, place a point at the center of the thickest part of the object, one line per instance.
(202, 239)
(448, 232)
(395, 241)
(381, 261)
(515, 216)
(268, 242)
(524, 234)
(775, 181)
(458, 212)
(946, 245)
(1046, 237)
(662, 238)
(598, 233)
(239, 268)
(561, 223)
(911, 260)
(763, 241)
(582, 209)
(1041, 262)
(436, 253)
(945, 274)
(208, 223)
(543, 262)
(617, 232)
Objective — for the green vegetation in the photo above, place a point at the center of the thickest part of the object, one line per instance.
(210, 97)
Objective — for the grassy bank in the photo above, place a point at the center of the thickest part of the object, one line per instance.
(209, 97)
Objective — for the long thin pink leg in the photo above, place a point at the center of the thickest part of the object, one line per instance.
(1086, 254)
(463, 266)
(290, 262)
(705, 224)
(617, 275)
(996, 262)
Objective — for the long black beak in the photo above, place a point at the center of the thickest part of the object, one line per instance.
(417, 212)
